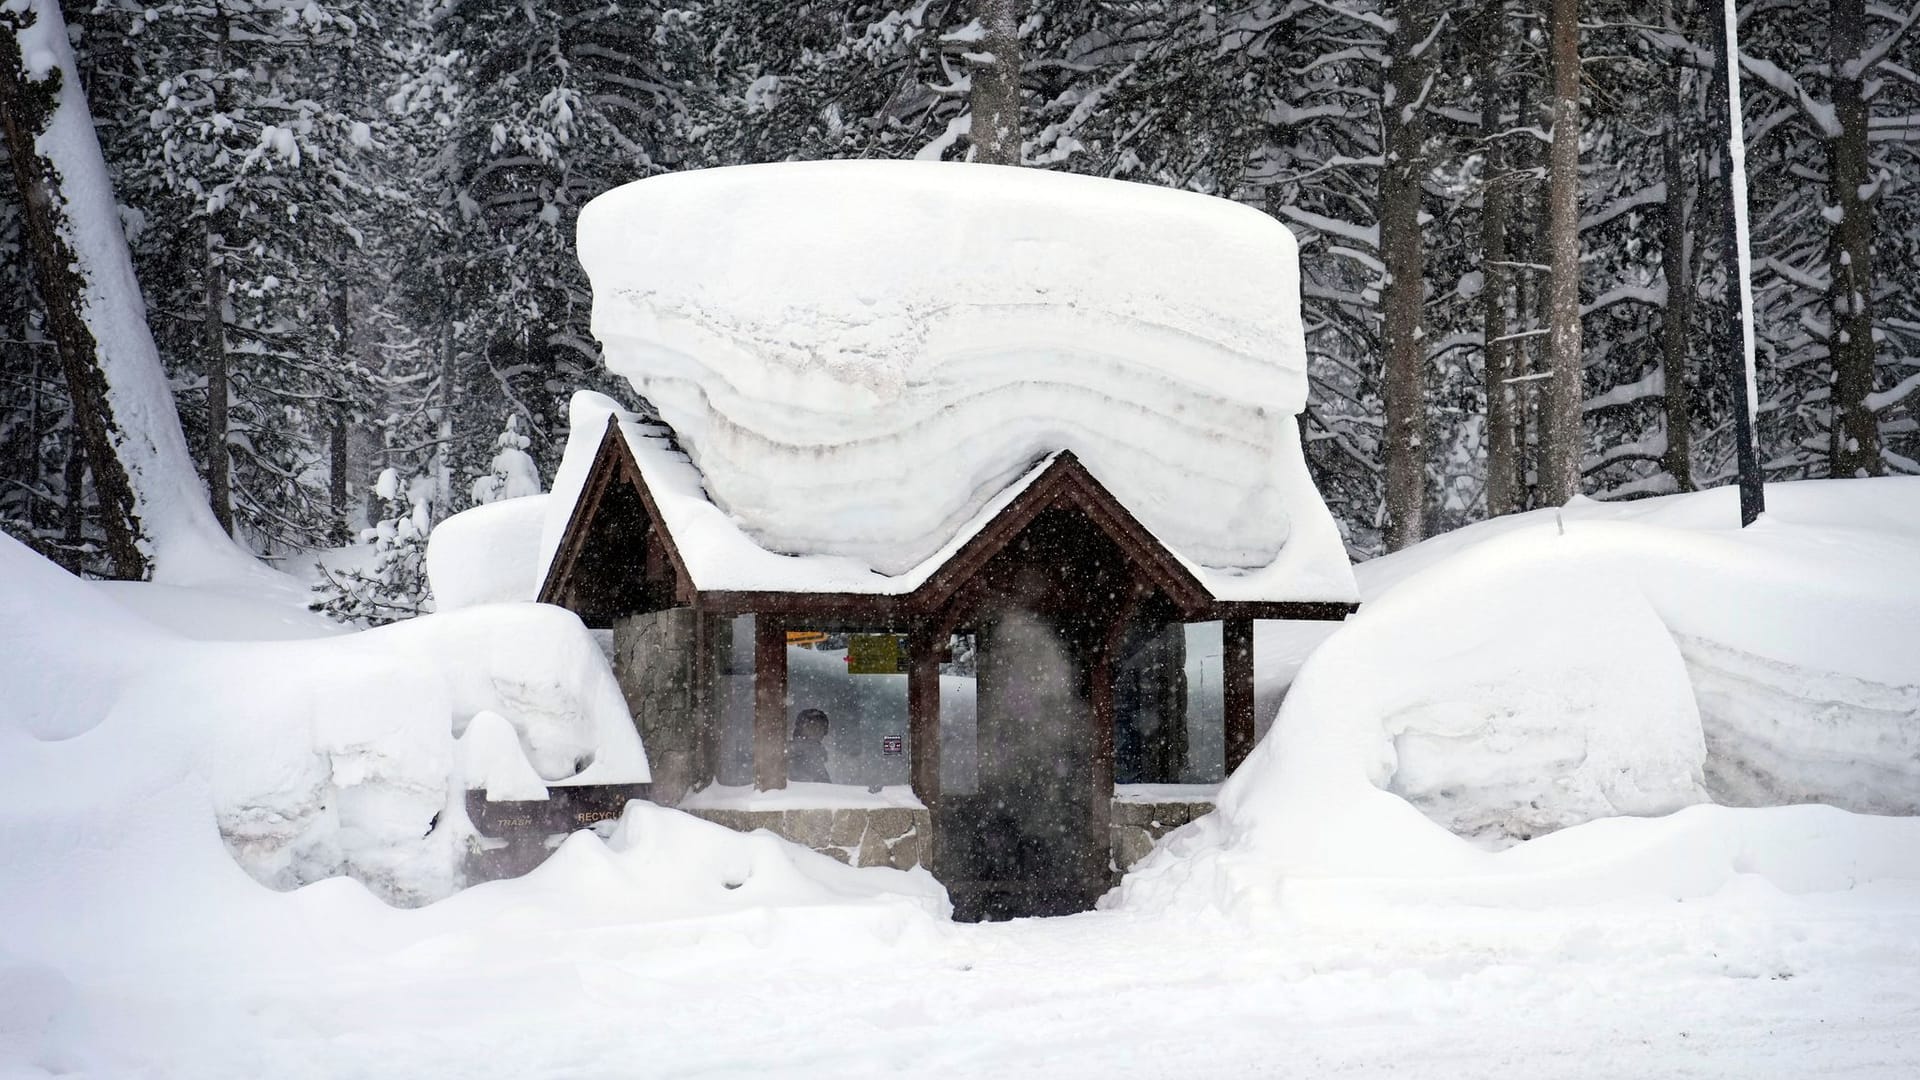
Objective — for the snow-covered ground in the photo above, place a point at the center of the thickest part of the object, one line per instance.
(1746, 983)
(1325, 921)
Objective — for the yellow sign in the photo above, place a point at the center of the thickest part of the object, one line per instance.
(875, 654)
(805, 637)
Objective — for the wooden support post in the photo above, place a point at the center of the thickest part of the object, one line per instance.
(769, 703)
(708, 631)
(1101, 708)
(1236, 640)
(923, 716)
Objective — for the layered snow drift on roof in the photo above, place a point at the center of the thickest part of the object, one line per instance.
(1574, 672)
(858, 356)
(309, 759)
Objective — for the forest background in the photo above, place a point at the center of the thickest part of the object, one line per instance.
(352, 224)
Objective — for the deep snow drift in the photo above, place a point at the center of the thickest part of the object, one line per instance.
(824, 337)
(1567, 667)
(314, 758)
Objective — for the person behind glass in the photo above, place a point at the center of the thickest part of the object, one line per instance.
(807, 756)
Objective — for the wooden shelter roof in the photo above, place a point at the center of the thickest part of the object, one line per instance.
(619, 555)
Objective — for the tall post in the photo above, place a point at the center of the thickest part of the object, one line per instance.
(1236, 641)
(923, 716)
(1100, 753)
(769, 703)
(712, 636)
(1733, 220)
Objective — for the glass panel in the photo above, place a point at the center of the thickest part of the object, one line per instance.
(734, 745)
(1206, 706)
(866, 714)
(959, 719)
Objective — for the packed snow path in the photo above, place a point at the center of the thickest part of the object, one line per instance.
(1748, 983)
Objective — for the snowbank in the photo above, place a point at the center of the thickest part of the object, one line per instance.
(490, 554)
(825, 337)
(314, 758)
(150, 783)
(1561, 670)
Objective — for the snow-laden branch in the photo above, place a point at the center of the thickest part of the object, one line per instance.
(1368, 235)
(1781, 82)
(1371, 18)
(1871, 56)
(1652, 295)
(1647, 196)
(1895, 395)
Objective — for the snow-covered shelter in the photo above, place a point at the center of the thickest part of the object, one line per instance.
(1004, 435)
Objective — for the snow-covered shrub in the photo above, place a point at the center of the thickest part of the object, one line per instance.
(391, 584)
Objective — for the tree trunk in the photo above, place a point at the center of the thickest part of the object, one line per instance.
(28, 105)
(1530, 315)
(149, 496)
(219, 396)
(28, 464)
(76, 492)
(1854, 443)
(449, 398)
(1565, 435)
(995, 97)
(1676, 269)
(1402, 302)
(337, 421)
(1502, 474)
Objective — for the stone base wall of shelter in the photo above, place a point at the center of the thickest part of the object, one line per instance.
(663, 661)
(1137, 826)
(899, 837)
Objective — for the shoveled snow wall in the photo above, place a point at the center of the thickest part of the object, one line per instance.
(1558, 679)
(858, 354)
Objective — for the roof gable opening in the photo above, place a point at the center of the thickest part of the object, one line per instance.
(615, 560)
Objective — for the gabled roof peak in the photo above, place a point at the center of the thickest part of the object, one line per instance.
(643, 535)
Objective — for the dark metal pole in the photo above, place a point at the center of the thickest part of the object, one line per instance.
(1739, 355)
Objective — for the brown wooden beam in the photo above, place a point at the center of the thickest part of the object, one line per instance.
(1291, 610)
(708, 630)
(1236, 639)
(769, 703)
(1104, 710)
(923, 716)
(1101, 706)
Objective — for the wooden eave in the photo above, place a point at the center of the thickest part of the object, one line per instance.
(1065, 482)
(612, 460)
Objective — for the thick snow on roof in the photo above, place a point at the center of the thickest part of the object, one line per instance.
(720, 555)
(860, 356)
